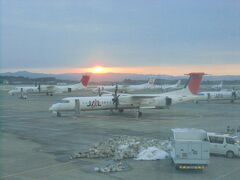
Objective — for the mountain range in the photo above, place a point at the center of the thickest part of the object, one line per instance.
(114, 76)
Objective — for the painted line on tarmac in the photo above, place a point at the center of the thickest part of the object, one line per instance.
(60, 172)
(35, 169)
(227, 174)
(51, 129)
(8, 116)
(42, 168)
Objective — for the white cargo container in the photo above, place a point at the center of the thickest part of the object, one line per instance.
(190, 148)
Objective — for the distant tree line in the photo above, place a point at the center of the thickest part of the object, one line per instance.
(26, 80)
(52, 80)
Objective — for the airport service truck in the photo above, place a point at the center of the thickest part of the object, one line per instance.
(190, 148)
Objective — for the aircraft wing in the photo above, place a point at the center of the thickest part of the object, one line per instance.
(147, 107)
(138, 99)
(50, 88)
(143, 96)
(54, 89)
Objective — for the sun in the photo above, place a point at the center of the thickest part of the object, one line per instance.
(98, 69)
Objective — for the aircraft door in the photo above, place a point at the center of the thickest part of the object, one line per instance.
(234, 95)
(69, 89)
(168, 101)
(77, 106)
(208, 96)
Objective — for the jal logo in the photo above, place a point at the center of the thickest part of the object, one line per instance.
(93, 103)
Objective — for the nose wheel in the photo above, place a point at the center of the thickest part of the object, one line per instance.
(120, 110)
(139, 114)
(58, 114)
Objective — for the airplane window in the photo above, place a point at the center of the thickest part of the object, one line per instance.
(65, 101)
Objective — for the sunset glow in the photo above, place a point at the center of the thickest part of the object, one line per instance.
(227, 69)
(100, 69)
(97, 69)
(169, 70)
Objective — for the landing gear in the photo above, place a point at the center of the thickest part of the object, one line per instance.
(22, 96)
(120, 110)
(77, 107)
(139, 114)
(59, 114)
(49, 94)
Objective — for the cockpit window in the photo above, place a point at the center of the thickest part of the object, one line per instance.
(65, 101)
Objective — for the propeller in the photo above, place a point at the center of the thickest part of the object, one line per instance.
(39, 87)
(234, 94)
(99, 91)
(115, 97)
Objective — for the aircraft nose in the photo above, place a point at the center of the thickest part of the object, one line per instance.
(11, 92)
(53, 108)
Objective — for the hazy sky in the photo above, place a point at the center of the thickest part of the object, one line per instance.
(83, 33)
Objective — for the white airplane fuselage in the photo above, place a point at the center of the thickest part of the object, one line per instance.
(23, 89)
(131, 88)
(167, 86)
(52, 88)
(218, 86)
(46, 89)
(125, 88)
(137, 87)
(215, 95)
(90, 104)
(126, 101)
(130, 101)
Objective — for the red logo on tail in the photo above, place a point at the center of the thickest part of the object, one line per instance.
(194, 82)
(85, 80)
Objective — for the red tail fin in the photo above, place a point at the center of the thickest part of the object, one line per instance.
(85, 80)
(194, 82)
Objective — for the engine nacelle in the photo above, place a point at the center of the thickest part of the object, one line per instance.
(163, 102)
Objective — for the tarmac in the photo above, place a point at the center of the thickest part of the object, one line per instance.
(35, 144)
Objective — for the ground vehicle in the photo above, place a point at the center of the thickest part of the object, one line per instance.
(224, 144)
(190, 148)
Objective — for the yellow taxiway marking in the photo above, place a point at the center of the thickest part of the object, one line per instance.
(58, 173)
(35, 169)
